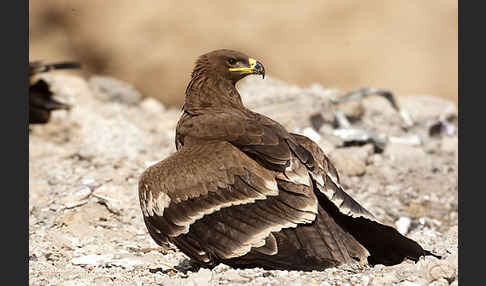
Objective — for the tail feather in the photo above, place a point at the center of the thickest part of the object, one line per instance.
(385, 244)
(315, 246)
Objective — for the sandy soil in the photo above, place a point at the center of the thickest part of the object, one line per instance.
(85, 223)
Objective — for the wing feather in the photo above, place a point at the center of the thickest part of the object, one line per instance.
(186, 199)
(327, 181)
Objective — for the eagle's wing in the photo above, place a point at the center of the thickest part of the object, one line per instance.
(268, 143)
(297, 165)
(216, 204)
(385, 244)
(263, 139)
(328, 183)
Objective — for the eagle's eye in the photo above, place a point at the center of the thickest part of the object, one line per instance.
(231, 61)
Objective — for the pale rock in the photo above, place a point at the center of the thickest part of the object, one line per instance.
(449, 144)
(202, 277)
(152, 105)
(403, 225)
(439, 282)
(351, 161)
(109, 89)
(312, 134)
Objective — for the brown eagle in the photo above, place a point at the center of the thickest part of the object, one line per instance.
(41, 102)
(243, 191)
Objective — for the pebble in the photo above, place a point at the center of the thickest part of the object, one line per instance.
(202, 277)
(440, 282)
(109, 89)
(351, 161)
(400, 152)
(403, 224)
(410, 140)
(365, 280)
(353, 109)
(76, 198)
(152, 105)
(449, 144)
(312, 134)
(408, 283)
(93, 260)
(220, 268)
(233, 276)
(437, 269)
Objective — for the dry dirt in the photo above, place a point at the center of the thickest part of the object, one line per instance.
(410, 46)
(85, 223)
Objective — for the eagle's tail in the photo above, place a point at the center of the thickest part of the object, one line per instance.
(385, 244)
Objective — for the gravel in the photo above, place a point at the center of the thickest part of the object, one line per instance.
(85, 223)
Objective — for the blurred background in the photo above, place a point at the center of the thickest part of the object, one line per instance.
(407, 46)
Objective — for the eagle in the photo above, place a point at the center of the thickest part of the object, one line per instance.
(243, 191)
(41, 102)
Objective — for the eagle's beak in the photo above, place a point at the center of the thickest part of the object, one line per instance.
(255, 67)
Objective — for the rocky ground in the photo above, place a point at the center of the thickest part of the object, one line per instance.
(85, 223)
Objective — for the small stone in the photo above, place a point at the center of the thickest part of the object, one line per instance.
(92, 260)
(352, 136)
(449, 144)
(410, 140)
(351, 161)
(317, 121)
(327, 136)
(399, 152)
(423, 108)
(202, 277)
(124, 262)
(152, 105)
(312, 134)
(408, 283)
(440, 282)
(76, 198)
(220, 268)
(233, 276)
(365, 280)
(437, 269)
(385, 279)
(347, 165)
(403, 225)
(88, 182)
(109, 89)
(353, 109)
(432, 146)
(114, 206)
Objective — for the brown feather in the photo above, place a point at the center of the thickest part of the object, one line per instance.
(243, 191)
